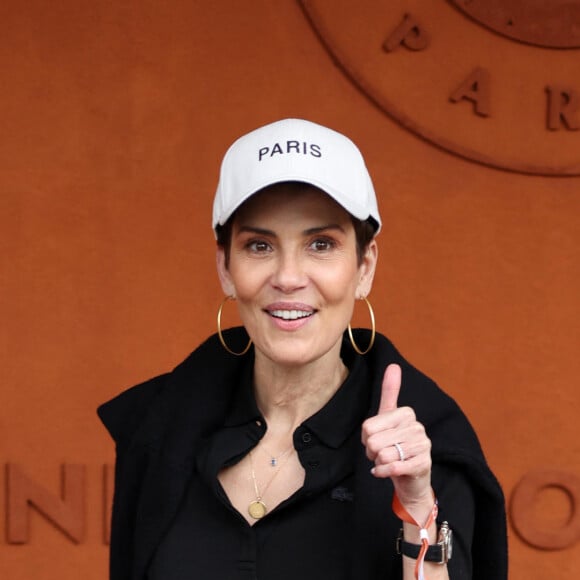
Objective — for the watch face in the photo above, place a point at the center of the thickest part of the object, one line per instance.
(449, 542)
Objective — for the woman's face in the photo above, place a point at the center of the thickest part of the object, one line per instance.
(294, 272)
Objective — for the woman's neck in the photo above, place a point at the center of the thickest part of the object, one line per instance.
(286, 396)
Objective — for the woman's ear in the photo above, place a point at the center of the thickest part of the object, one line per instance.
(223, 272)
(367, 270)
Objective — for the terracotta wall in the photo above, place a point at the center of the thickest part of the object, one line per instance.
(113, 119)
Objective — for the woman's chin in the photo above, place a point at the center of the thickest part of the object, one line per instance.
(293, 350)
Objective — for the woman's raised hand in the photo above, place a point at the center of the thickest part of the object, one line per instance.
(399, 447)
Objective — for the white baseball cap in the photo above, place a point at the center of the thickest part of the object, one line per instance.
(295, 150)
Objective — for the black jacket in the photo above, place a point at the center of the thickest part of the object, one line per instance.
(158, 425)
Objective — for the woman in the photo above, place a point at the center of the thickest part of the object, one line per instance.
(296, 447)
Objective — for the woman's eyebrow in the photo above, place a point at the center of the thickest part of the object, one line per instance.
(255, 230)
(324, 228)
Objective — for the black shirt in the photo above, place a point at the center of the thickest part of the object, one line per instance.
(307, 536)
(171, 519)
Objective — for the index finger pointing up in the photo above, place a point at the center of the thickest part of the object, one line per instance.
(391, 388)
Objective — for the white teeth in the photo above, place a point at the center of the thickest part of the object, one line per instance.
(290, 314)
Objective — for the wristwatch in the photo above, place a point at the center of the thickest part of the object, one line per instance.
(440, 552)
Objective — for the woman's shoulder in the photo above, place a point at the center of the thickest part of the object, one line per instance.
(440, 413)
(417, 389)
(123, 413)
(164, 396)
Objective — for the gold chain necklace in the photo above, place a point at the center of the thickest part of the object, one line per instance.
(257, 508)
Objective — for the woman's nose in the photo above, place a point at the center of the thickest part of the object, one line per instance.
(289, 273)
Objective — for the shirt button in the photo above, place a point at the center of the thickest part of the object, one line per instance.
(313, 463)
(306, 438)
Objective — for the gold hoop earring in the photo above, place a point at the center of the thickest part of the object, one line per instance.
(219, 329)
(373, 330)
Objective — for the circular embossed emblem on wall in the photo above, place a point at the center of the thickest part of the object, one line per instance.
(550, 23)
(496, 82)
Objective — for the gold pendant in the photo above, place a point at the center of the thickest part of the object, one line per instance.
(257, 509)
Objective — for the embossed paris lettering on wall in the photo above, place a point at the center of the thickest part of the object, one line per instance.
(492, 81)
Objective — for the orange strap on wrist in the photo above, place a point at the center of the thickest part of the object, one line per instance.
(405, 516)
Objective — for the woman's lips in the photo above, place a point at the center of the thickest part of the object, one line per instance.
(290, 313)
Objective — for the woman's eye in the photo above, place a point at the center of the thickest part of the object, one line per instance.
(322, 245)
(258, 246)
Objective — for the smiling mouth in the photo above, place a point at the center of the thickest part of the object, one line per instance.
(291, 314)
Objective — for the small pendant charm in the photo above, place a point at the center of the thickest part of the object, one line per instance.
(273, 462)
(257, 509)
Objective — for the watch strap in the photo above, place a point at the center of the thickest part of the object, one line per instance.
(434, 552)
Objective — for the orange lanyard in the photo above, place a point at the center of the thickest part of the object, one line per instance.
(405, 516)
